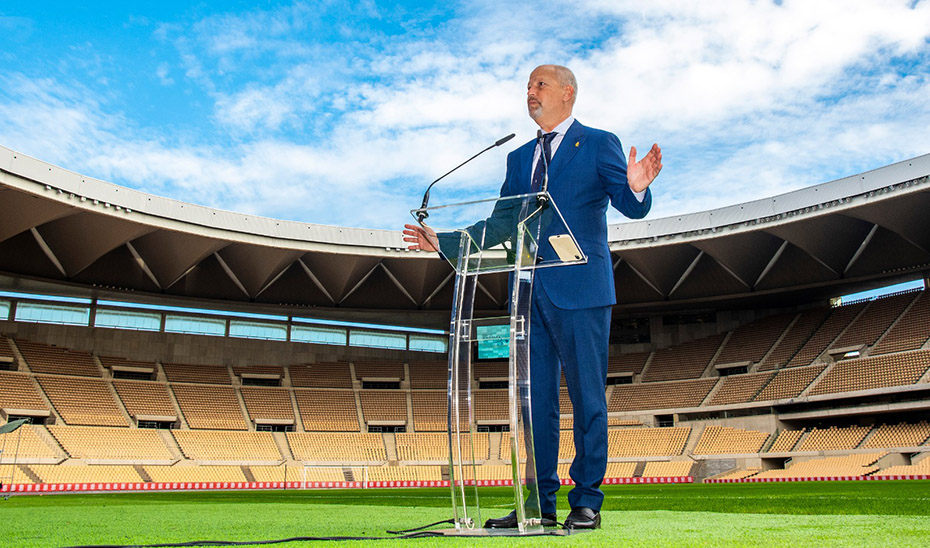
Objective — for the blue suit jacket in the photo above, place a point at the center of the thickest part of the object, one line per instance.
(587, 172)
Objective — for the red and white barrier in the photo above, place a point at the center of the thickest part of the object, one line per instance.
(819, 478)
(245, 485)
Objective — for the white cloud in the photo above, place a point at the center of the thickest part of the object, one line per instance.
(748, 99)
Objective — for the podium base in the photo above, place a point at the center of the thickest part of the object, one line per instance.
(512, 532)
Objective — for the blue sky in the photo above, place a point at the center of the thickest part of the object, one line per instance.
(342, 112)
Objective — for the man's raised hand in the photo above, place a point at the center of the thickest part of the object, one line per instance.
(641, 174)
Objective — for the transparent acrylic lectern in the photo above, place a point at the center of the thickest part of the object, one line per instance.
(515, 234)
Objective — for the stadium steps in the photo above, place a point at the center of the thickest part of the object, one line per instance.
(142, 473)
(640, 468)
(816, 380)
(754, 368)
(23, 366)
(108, 380)
(174, 400)
(693, 438)
(247, 472)
(839, 336)
(390, 445)
(50, 440)
(171, 443)
(298, 420)
(363, 426)
(30, 474)
(709, 370)
(280, 440)
(804, 343)
(250, 424)
(894, 323)
(494, 444)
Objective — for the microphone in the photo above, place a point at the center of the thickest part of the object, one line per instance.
(422, 213)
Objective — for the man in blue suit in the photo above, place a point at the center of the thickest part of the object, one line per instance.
(570, 316)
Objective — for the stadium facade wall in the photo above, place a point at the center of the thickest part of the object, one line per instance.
(191, 349)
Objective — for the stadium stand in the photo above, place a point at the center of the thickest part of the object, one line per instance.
(176, 473)
(336, 447)
(627, 363)
(684, 361)
(19, 392)
(881, 313)
(898, 435)
(668, 469)
(740, 388)
(6, 351)
(739, 474)
(378, 370)
(912, 330)
(428, 375)
(145, 398)
(491, 405)
(206, 445)
(107, 443)
(665, 395)
(327, 410)
(789, 383)
(82, 400)
(565, 401)
(321, 375)
(921, 468)
(647, 442)
(109, 362)
(727, 440)
(277, 370)
(209, 407)
(288, 473)
(404, 473)
(434, 446)
(800, 331)
(429, 410)
(494, 472)
(43, 358)
(838, 320)
(862, 464)
(751, 342)
(786, 440)
(203, 374)
(874, 372)
(383, 405)
(490, 370)
(50, 473)
(267, 403)
(25, 445)
(834, 438)
(14, 474)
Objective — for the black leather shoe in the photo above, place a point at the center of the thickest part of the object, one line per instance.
(510, 521)
(583, 518)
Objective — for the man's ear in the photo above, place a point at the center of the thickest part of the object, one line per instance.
(569, 94)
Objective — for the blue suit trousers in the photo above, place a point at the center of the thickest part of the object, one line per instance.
(577, 340)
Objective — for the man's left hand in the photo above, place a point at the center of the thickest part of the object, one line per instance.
(641, 174)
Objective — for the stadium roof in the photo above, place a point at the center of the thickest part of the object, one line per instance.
(83, 236)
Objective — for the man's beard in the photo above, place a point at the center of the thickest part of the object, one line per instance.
(536, 112)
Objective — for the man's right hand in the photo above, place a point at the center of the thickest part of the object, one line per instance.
(421, 238)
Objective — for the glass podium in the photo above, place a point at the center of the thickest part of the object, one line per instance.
(518, 235)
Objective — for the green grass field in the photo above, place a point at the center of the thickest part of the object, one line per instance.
(880, 513)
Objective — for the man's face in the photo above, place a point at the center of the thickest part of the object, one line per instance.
(548, 102)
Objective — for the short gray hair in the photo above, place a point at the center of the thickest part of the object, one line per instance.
(566, 77)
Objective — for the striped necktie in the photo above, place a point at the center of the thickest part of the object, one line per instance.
(542, 168)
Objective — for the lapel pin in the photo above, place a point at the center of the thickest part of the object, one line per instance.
(577, 143)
